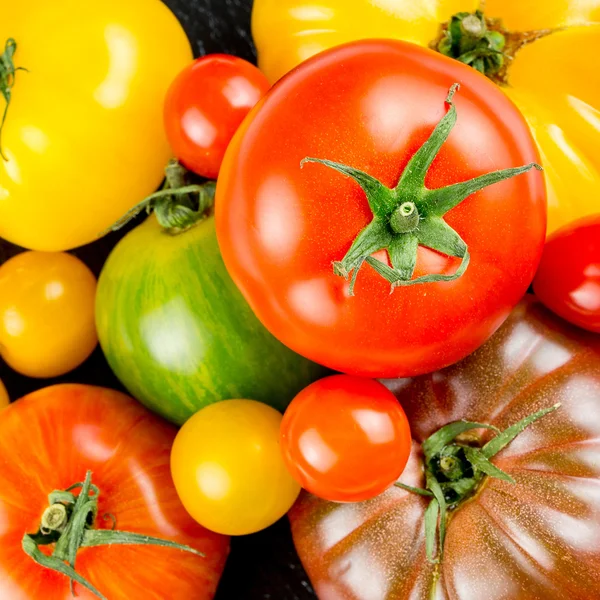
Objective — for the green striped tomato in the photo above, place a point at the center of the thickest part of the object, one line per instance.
(178, 333)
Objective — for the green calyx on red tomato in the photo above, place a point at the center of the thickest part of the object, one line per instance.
(410, 215)
(67, 525)
(455, 468)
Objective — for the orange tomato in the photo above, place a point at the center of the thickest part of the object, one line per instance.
(47, 325)
(49, 440)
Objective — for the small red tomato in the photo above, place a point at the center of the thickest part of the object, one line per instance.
(568, 278)
(206, 104)
(345, 438)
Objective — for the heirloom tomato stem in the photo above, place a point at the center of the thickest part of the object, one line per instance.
(178, 206)
(67, 525)
(483, 43)
(411, 214)
(455, 469)
(7, 81)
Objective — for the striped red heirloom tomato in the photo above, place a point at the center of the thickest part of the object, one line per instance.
(86, 496)
(351, 179)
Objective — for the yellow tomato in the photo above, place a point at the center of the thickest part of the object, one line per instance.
(228, 468)
(47, 323)
(83, 136)
(553, 79)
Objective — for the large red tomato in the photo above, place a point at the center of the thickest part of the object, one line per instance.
(370, 107)
(49, 441)
(534, 539)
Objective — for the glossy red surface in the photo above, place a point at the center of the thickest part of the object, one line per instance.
(49, 441)
(371, 105)
(206, 104)
(536, 539)
(345, 438)
(568, 278)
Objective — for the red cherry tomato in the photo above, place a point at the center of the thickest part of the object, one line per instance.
(568, 278)
(206, 104)
(345, 438)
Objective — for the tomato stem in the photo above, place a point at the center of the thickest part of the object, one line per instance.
(410, 214)
(177, 206)
(454, 471)
(7, 81)
(68, 525)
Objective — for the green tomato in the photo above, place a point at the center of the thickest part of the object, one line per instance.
(177, 332)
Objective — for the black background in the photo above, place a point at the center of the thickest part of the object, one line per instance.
(263, 566)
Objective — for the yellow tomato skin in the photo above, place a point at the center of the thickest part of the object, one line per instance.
(84, 131)
(554, 81)
(228, 469)
(47, 302)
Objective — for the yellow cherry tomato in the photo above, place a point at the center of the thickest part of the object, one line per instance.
(47, 325)
(4, 399)
(83, 137)
(228, 468)
(553, 78)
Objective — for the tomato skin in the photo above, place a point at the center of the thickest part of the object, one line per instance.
(73, 428)
(532, 540)
(568, 278)
(281, 226)
(206, 104)
(177, 332)
(82, 153)
(228, 470)
(345, 439)
(47, 325)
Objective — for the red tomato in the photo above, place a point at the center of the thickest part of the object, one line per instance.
(206, 104)
(50, 439)
(345, 438)
(372, 105)
(568, 278)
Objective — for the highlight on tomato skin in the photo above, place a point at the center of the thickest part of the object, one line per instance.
(568, 277)
(206, 104)
(345, 439)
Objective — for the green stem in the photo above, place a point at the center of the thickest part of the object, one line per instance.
(410, 214)
(454, 471)
(7, 81)
(68, 525)
(468, 39)
(178, 206)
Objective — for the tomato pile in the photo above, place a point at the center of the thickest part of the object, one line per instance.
(325, 312)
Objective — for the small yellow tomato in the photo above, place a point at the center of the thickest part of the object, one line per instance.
(47, 303)
(4, 399)
(228, 468)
